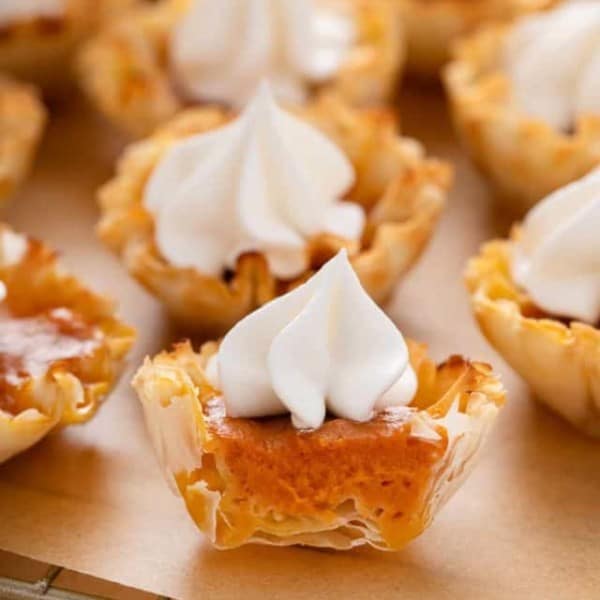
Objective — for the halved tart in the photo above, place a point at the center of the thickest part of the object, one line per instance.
(342, 485)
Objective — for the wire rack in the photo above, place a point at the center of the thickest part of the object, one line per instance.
(44, 589)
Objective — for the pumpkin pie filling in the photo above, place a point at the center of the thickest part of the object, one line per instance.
(29, 346)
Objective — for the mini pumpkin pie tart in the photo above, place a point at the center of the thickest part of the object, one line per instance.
(37, 37)
(537, 299)
(61, 347)
(22, 121)
(313, 422)
(431, 26)
(217, 214)
(526, 103)
(141, 71)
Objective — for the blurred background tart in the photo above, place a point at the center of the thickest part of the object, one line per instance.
(141, 70)
(218, 213)
(526, 104)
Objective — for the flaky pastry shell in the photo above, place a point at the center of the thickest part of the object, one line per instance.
(22, 121)
(431, 26)
(125, 68)
(68, 391)
(402, 191)
(39, 48)
(525, 158)
(346, 484)
(560, 361)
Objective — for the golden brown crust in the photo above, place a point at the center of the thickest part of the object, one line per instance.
(22, 120)
(66, 391)
(433, 25)
(343, 485)
(39, 49)
(403, 193)
(561, 362)
(524, 158)
(125, 68)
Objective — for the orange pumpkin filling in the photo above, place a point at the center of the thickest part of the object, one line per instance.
(29, 346)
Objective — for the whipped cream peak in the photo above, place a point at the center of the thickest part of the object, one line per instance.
(553, 61)
(222, 48)
(267, 182)
(557, 257)
(12, 11)
(324, 347)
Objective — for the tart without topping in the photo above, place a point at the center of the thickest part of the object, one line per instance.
(22, 120)
(525, 101)
(255, 236)
(141, 71)
(379, 438)
(61, 348)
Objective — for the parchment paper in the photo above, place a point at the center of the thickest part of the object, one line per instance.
(525, 525)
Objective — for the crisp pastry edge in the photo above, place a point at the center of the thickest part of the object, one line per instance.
(560, 362)
(167, 387)
(68, 400)
(525, 159)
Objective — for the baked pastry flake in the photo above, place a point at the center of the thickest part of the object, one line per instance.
(61, 348)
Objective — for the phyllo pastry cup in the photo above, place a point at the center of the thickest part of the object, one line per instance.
(343, 485)
(402, 192)
(560, 360)
(39, 47)
(432, 26)
(523, 157)
(126, 68)
(61, 347)
(22, 120)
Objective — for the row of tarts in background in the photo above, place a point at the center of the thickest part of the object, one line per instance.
(374, 197)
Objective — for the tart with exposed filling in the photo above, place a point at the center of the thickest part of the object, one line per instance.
(432, 26)
(22, 120)
(143, 70)
(536, 297)
(525, 101)
(217, 214)
(61, 348)
(38, 37)
(378, 440)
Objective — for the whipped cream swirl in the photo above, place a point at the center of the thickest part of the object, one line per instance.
(267, 182)
(222, 49)
(553, 61)
(12, 11)
(557, 258)
(325, 346)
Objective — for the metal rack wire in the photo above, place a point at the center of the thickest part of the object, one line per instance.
(43, 589)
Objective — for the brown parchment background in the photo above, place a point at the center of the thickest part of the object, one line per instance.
(525, 525)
